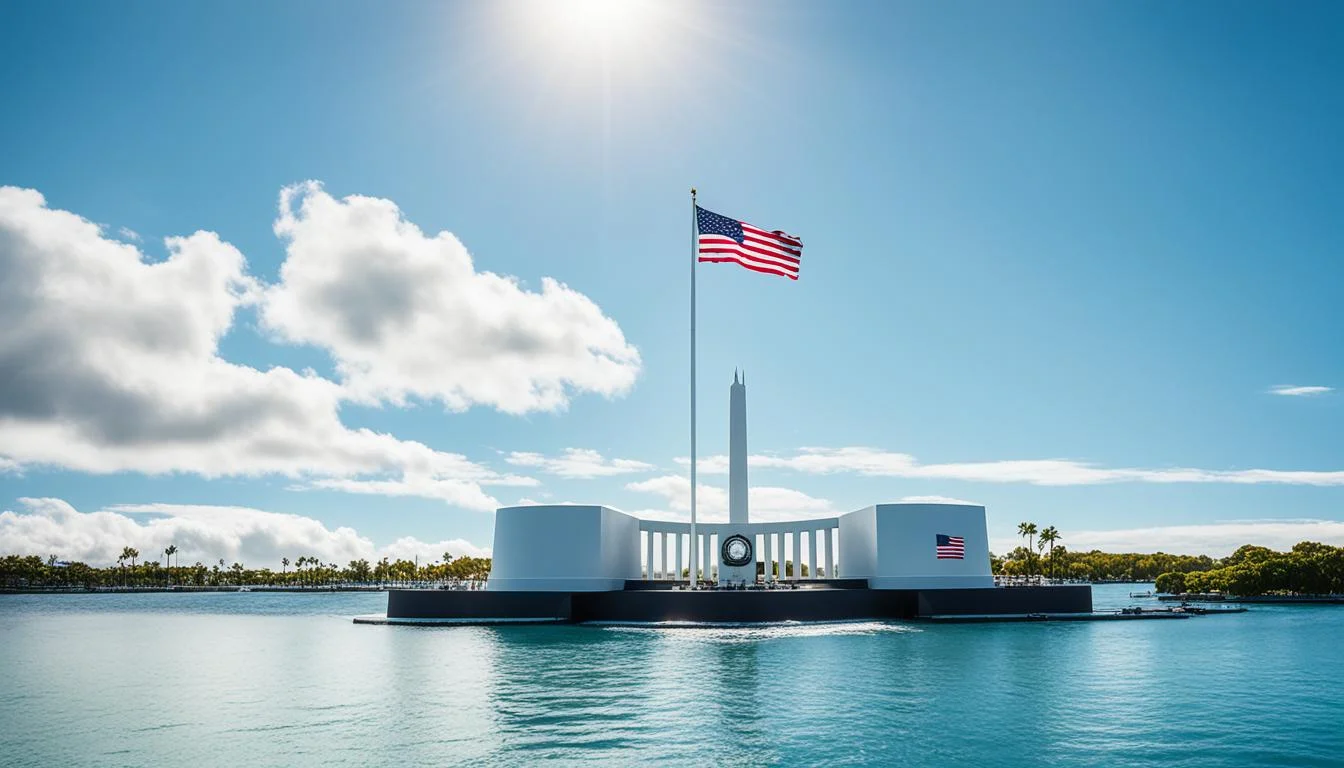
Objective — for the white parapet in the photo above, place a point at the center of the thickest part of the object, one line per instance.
(894, 546)
(564, 548)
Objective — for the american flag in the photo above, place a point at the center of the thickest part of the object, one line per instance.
(725, 239)
(950, 547)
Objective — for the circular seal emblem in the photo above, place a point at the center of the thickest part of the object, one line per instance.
(736, 551)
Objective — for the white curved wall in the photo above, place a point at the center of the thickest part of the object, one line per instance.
(564, 548)
(893, 546)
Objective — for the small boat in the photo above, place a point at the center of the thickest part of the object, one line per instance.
(1140, 594)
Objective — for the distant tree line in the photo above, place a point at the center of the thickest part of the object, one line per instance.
(1309, 568)
(1043, 555)
(33, 571)
(1095, 565)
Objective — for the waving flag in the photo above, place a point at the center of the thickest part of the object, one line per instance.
(950, 547)
(724, 239)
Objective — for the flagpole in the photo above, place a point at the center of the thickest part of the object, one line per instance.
(695, 544)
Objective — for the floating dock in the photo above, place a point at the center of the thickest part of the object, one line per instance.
(988, 618)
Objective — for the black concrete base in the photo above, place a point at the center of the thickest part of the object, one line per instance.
(817, 603)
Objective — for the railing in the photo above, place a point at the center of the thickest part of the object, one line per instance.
(668, 544)
(1034, 580)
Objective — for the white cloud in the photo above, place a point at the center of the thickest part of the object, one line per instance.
(712, 465)
(409, 548)
(112, 360)
(129, 234)
(1214, 539)
(1292, 390)
(204, 534)
(409, 316)
(578, 463)
(766, 503)
(456, 491)
(878, 463)
(462, 493)
(936, 500)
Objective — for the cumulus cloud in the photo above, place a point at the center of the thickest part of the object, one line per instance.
(578, 463)
(767, 504)
(406, 315)
(878, 463)
(205, 534)
(112, 363)
(1293, 390)
(1213, 539)
(129, 234)
(112, 360)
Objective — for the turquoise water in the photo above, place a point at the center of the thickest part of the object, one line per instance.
(282, 679)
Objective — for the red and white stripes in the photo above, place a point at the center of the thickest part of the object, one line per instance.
(774, 253)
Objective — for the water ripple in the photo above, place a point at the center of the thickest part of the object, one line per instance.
(124, 680)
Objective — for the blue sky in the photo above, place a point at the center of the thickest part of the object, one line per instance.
(1096, 234)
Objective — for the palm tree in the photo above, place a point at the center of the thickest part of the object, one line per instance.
(127, 553)
(168, 553)
(284, 565)
(1028, 530)
(1049, 536)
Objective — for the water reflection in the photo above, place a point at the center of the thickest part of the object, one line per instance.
(561, 689)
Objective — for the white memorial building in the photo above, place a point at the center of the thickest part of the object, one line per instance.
(582, 548)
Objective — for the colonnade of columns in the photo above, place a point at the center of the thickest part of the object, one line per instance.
(664, 560)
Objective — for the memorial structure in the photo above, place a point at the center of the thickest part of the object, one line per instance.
(579, 563)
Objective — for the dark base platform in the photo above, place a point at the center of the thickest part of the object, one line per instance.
(817, 602)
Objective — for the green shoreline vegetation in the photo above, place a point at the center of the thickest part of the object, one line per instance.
(1309, 568)
(35, 572)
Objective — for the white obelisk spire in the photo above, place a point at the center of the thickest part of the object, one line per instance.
(737, 451)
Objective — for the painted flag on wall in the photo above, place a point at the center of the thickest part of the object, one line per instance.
(723, 239)
(950, 547)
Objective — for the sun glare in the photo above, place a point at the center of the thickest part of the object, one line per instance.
(603, 23)
(596, 19)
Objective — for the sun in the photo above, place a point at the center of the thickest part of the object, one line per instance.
(597, 20)
(603, 24)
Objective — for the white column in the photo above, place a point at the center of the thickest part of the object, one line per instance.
(648, 573)
(677, 574)
(830, 556)
(797, 555)
(663, 562)
(759, 554)
(706, 565)
(769, 559)
(812, 554)
(780, 555)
